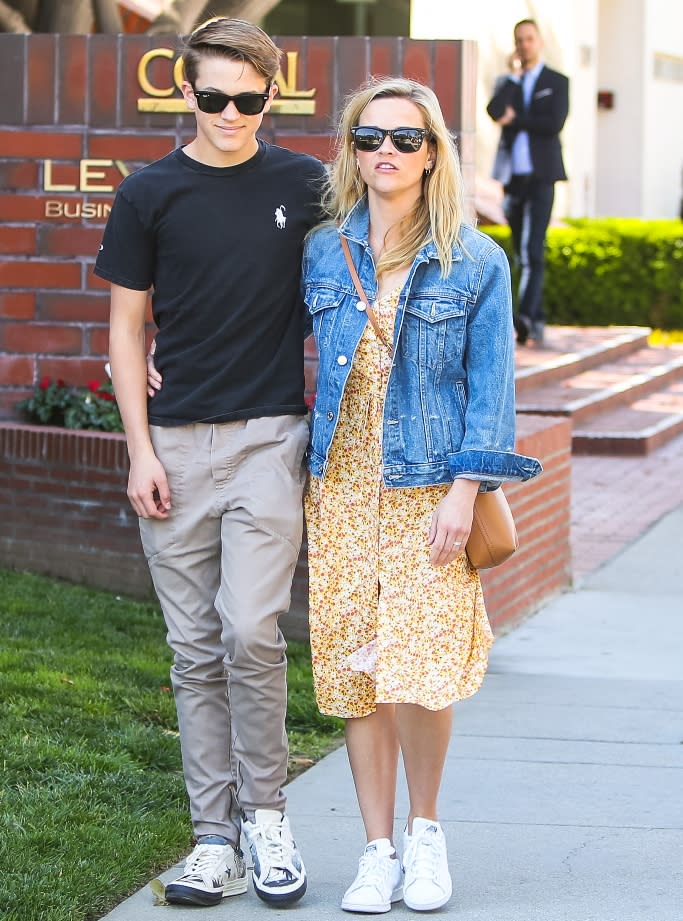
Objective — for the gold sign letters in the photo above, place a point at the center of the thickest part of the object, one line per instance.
(88, 174)
(91, 174)
(289, 101)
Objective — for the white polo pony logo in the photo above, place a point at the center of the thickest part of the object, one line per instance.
(280, 217)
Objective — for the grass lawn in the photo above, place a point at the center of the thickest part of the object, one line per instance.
(92, 802)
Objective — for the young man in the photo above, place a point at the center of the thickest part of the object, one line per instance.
(531, 105)
(216, 230)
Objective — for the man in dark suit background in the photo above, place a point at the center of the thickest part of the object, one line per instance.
(530, 104)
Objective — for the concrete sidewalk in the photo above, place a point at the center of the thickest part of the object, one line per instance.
(563, 793)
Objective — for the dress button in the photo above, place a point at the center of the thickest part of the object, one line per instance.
(361, 305)
(342, 360)
(330, 416)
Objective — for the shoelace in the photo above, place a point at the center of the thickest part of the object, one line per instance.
(422, 855)
(204, 857)
(373, 870)
(276, 848)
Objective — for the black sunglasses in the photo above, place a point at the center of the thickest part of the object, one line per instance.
(370, 137)
(212, 102)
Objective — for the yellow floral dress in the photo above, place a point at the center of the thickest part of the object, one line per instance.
(386, 626)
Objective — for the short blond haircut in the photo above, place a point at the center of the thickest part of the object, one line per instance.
(440, 211)
(234, 39)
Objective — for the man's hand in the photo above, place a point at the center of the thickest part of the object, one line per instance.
(452, 522)
(514, 64)
(508, 116)
(148, 487)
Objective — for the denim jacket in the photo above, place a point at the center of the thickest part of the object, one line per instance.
(449, 410)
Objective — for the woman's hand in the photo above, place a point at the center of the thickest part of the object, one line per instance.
(452, 522)
(154, 379)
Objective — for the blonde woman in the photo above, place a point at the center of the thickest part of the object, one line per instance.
(411, 420)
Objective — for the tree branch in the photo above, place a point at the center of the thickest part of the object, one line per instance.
(184, 15)
(108, 17)
(11, 20)
(251, 10)
(66, 16)
(178, 18)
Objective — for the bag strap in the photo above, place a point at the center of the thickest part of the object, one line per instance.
(363, 296)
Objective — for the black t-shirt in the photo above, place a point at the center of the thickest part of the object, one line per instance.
(221, 247)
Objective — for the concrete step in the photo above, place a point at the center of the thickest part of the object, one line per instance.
(636, 429)
(568, 350)
(610, 385)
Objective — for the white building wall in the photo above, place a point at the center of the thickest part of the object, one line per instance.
(577, 34)
(663, 124)
(621, 70)
(626, 161)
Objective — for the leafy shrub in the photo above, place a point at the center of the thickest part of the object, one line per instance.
(606, 271)
(55, 403)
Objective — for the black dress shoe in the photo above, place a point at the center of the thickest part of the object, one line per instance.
(522, 326)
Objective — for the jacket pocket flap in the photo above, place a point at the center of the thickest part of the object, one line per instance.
(319, 298)
(433, 309)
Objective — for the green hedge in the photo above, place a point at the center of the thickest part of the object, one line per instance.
(606, 271)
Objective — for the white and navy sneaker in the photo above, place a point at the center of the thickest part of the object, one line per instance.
(279, 874)
(379, 880)
(427, 882)
(212, 872)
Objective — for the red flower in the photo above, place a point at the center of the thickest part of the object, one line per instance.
(103, 395)
(44, 383)
(60, 383)
(94, 386)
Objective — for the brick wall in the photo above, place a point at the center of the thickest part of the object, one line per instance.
(64, 513)
(70, 125)
(542, 566)
(64, 510)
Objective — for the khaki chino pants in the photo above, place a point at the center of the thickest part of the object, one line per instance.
(222, 566)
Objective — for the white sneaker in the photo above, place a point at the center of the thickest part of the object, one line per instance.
(212, 872)
(279, 874)
(379, 880)
(427, 882)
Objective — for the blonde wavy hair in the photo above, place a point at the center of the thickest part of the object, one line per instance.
(439, 213)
